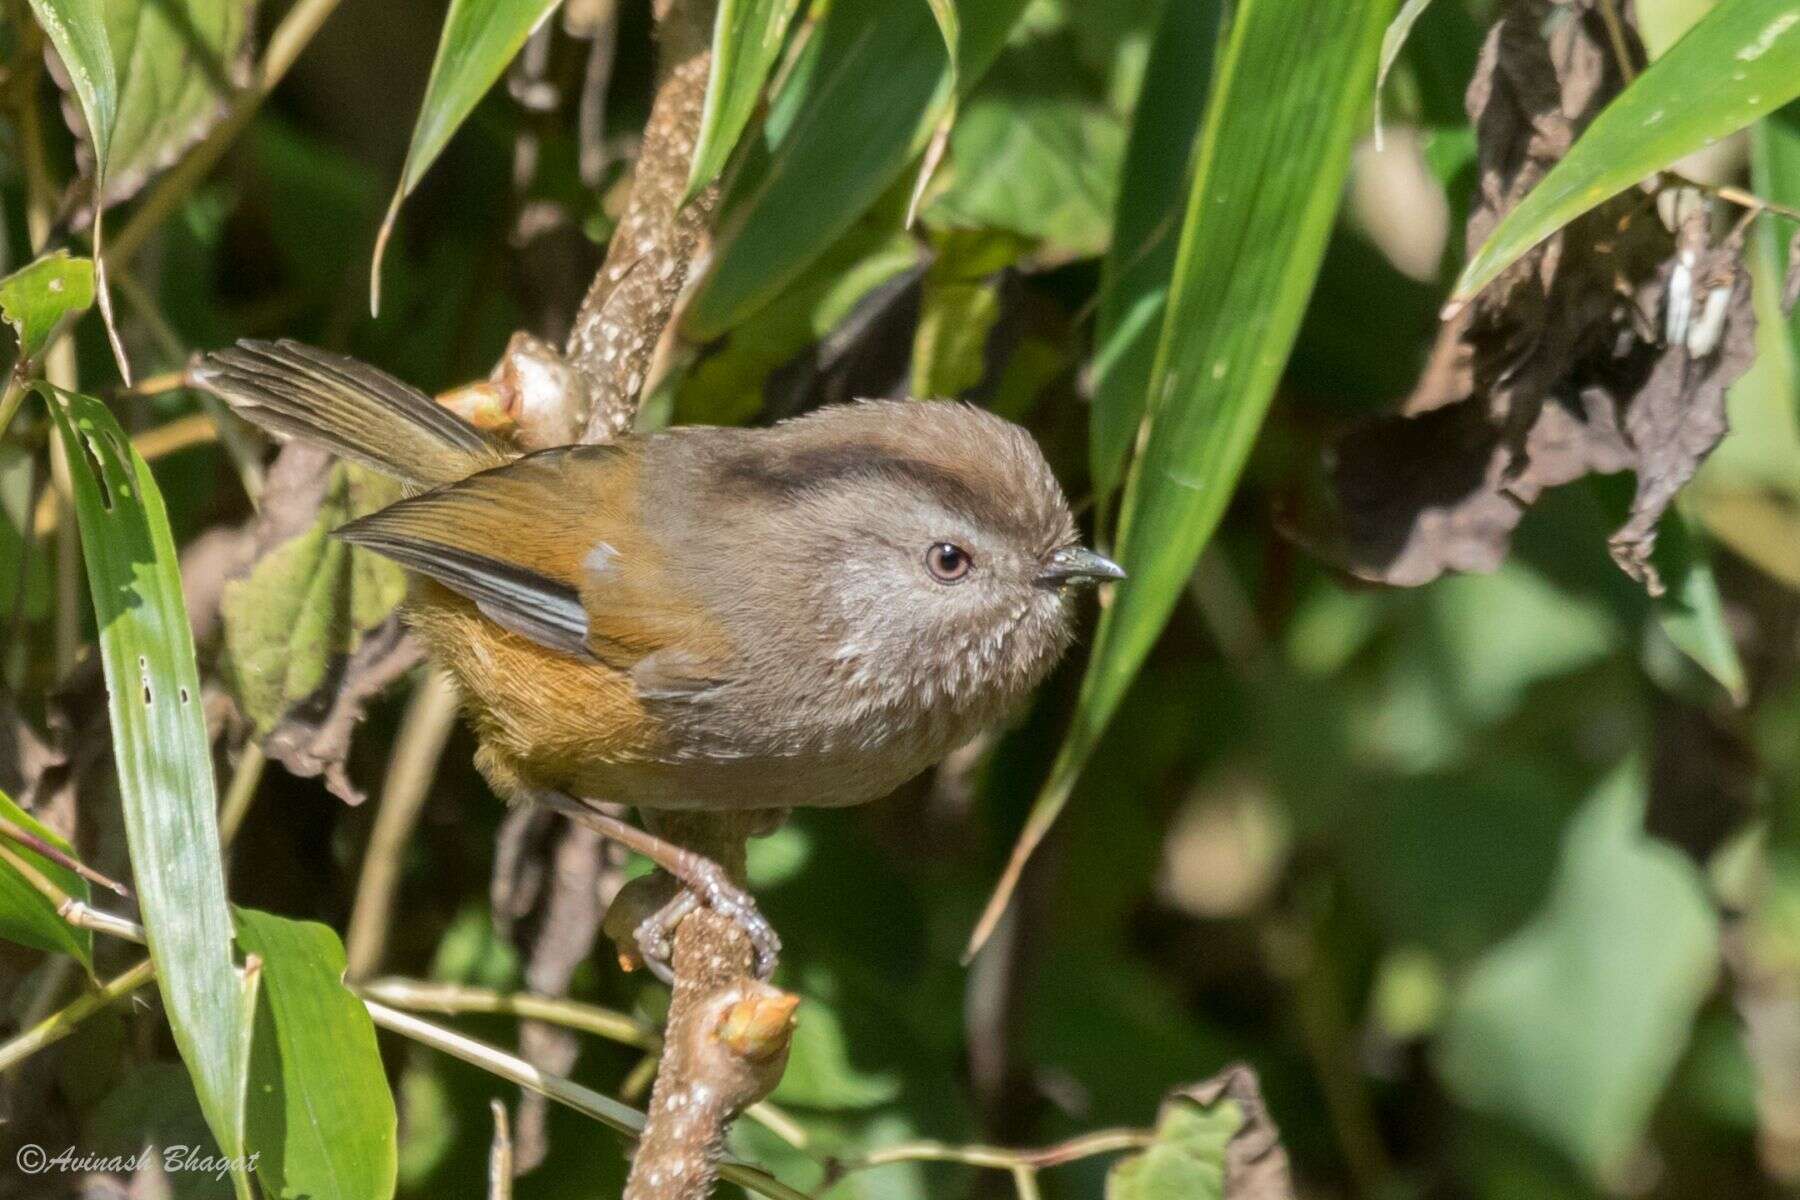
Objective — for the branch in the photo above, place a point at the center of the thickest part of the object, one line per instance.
(651, 253)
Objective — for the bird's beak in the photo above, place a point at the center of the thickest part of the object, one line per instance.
(1077, 564)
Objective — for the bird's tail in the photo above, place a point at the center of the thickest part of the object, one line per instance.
(350, 408)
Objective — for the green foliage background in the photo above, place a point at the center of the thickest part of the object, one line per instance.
(1495, 883)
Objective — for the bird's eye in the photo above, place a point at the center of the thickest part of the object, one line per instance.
(948, 563)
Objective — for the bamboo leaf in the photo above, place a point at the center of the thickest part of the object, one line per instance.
(1134, 278)
(863, 101)
(163, 755)
(321, 1116)
(26, 915)
(1738, 63)
(1289, 97)
(480, 38)
(747, 38)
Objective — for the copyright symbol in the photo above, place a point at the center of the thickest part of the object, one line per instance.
(31, 1159)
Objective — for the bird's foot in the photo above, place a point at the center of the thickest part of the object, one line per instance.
(705, 884)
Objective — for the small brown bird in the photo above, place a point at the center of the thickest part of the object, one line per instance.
(705, 618)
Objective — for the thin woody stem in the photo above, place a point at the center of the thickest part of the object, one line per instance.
(76, 912)
(458, 998)
(61, 1023)
(68, 862)
(1000, 1158)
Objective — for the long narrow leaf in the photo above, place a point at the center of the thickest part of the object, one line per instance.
(480, 38)
(1134, 280)
(1740, 62)
(163, 755)
(863, 101)
(1291, 90)
(746, 41)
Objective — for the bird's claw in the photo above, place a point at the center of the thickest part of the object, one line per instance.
(709, 886)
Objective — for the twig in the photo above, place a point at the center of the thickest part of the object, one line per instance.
(459, 998)
(68, 862)
(419, 744)
(500, 1155)
(76, 912)
(621, 1118)
(242, 790)
(999, 1158)
(627, 309)
(61, 1023)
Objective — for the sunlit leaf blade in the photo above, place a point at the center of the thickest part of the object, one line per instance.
(1740, 62)
(1692, 613)
(1392, 42)
(1186, 1160)
(178, 63)
(746, 41)
(1574, 1025)
(38, 295)
(480, 38)
(1288, 100)
(862, 102)
(26, 915)
(77, 30)
(162, 753)
(321, 1117)
(1134, 279)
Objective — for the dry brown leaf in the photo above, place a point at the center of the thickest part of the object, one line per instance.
(1608, 348)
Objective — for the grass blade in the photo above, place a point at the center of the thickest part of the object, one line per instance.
(864, 99)
(480, 38)
(746, 42)
(321, 1115)
(163, 755)
(1289, 97)
(1739, 63)
(1134, 279)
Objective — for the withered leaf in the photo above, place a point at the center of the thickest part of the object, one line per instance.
(1608, 348)
(1213, 1138)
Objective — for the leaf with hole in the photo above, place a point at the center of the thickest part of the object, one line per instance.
(162, 753)
(37, 296)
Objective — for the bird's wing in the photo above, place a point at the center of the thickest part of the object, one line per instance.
(553, 547)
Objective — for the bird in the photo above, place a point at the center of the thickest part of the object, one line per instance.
(704, 618)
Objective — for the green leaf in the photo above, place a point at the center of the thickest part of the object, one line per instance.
(1134, 279)
(1691, 612)
(26, 915)
(1574, 1025)
(77, 29)
(1031, 154)
(308, 602)
(1740, 62)
(36, 296)
(162, 752)
(1392, 42)
(321, 1117)
(1187, 1160)
(1289, 98)
(747, 37)
(480, 38)
(178, 63)
(863, 100)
